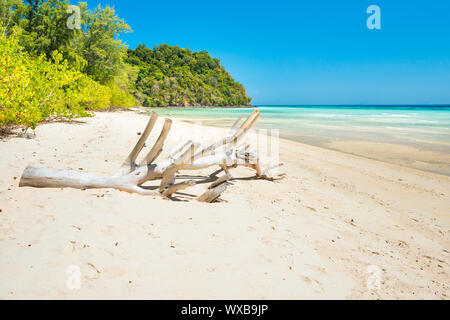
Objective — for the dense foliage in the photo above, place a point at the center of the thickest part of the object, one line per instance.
(34, 88)
(173, 76)
(94, 50)
(49, 70)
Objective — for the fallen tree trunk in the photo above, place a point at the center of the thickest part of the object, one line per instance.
(130, 177)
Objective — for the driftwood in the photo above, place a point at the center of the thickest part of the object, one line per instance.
(215, 189)
(225, 153)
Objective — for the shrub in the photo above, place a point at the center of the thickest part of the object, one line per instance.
(120, 97)
(33, 89)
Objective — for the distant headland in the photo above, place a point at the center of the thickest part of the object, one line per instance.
(174, 76)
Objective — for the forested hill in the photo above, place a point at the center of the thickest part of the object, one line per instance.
(173, 76)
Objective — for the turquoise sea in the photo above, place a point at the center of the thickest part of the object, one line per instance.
(424, 128)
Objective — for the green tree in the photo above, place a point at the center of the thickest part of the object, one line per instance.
(11, 13)
(46, 27)
(98, 43)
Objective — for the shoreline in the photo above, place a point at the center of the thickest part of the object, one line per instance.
(365, 149)
(312, 235)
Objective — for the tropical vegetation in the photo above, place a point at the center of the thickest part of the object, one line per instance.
(173, 76)
(49, 70)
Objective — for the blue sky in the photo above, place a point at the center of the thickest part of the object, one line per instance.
(309, 52)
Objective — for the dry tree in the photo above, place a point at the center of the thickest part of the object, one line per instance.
(227, 153)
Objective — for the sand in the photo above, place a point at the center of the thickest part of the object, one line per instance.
(407, 156)
(319, 233)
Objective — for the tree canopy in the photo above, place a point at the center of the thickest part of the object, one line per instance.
(50, 70)
(173, 76)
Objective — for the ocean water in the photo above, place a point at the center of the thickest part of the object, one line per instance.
(421, 132)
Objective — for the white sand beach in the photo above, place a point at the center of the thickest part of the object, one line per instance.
(311, 235)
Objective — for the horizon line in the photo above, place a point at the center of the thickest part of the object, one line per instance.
(352, 105)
